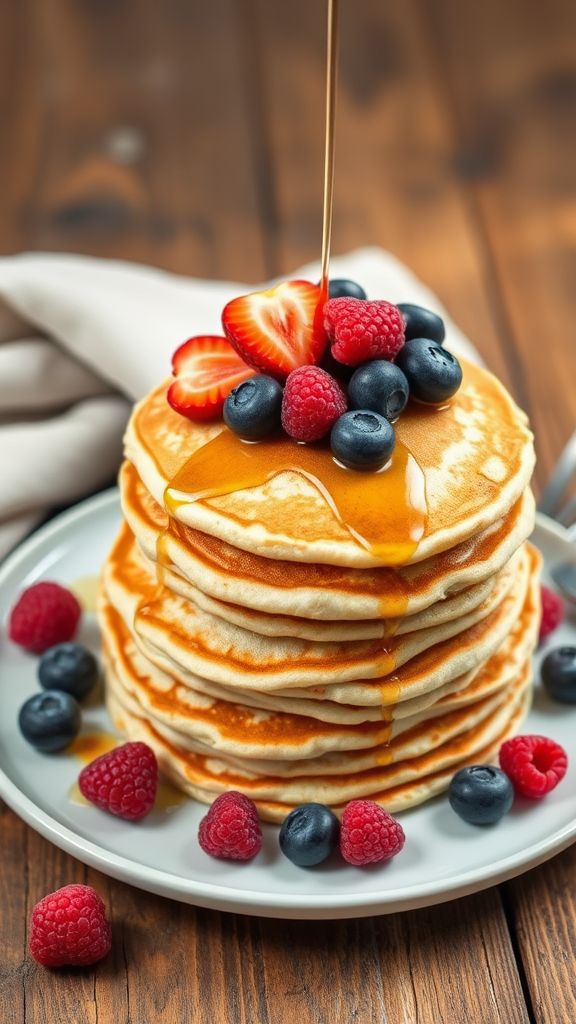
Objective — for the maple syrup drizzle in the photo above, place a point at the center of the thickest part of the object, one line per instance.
(86, 590)
(384, 511)
(331, 52)
(90, 745)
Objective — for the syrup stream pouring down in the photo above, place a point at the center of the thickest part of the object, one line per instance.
(384, 511)
(331, 65)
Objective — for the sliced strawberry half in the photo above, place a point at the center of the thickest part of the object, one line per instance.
(206, 369)
(278, 330)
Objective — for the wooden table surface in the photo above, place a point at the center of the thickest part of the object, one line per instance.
(189, 135)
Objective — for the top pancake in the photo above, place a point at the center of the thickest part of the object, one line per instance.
(475, 457)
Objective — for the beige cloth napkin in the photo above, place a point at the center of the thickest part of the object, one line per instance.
(81, 338)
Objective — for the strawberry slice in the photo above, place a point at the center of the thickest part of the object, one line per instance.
(206, 369)
(278, 330)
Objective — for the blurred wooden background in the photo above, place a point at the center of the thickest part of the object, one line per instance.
(188, 134)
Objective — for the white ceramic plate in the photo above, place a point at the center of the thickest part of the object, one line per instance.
(443, 857)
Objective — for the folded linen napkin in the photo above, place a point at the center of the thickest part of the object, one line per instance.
(81, 338)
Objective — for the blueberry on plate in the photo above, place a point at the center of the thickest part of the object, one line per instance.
(50, 720)
(309, 834)
(481, 794)
(69, 667)
(362, 439)
(252, 410)
(558, 671)
(434, 374)
(380, 386)
(341, 287)
(422, 323)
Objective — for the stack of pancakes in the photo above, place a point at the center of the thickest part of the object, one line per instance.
(256, 642)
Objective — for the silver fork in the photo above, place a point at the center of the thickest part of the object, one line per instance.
(558, 504)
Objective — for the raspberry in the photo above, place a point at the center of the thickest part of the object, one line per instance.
(231, 829)
(369, 834)
(311, 404)
(123, 781)
(535, 764)
(361, 330)
(44, 615)
(69, 926)
(552, 612)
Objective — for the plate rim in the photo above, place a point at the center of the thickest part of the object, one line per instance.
(253, 901)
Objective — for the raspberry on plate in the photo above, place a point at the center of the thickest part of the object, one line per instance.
(535, 764)
(368, 834)
(45, 614)
(552, 612)
(311, 404)
(123, 781)
(361, 330)
(69, 926)
(231, 828)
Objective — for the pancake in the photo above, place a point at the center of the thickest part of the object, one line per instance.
(204, 777)
(225, 725)
(266, 722)
(420, 738)
(237, 657)
(318, 592)
(474, 457)
(307, 629)
(442, 663)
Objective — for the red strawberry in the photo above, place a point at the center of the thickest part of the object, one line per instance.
(278, 330)
(206, 369)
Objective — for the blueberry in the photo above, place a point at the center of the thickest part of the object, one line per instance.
(481, 794)
(379, 386)
(340, 287)
(309, 834)
(252, 410)
(434, 374)
(558, 672)
(422, 323)
(336, 369)
(68, 667)
(50, 720)
(362, 439)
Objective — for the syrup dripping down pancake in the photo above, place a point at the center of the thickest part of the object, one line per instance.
(234, 656)
(204, 777)
(214, 725)
(304, 592)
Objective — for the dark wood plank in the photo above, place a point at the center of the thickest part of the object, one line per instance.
(174, 963)
(13, 897)
(436, 965)
(510, 75)
(544, 920)
(128, 136)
